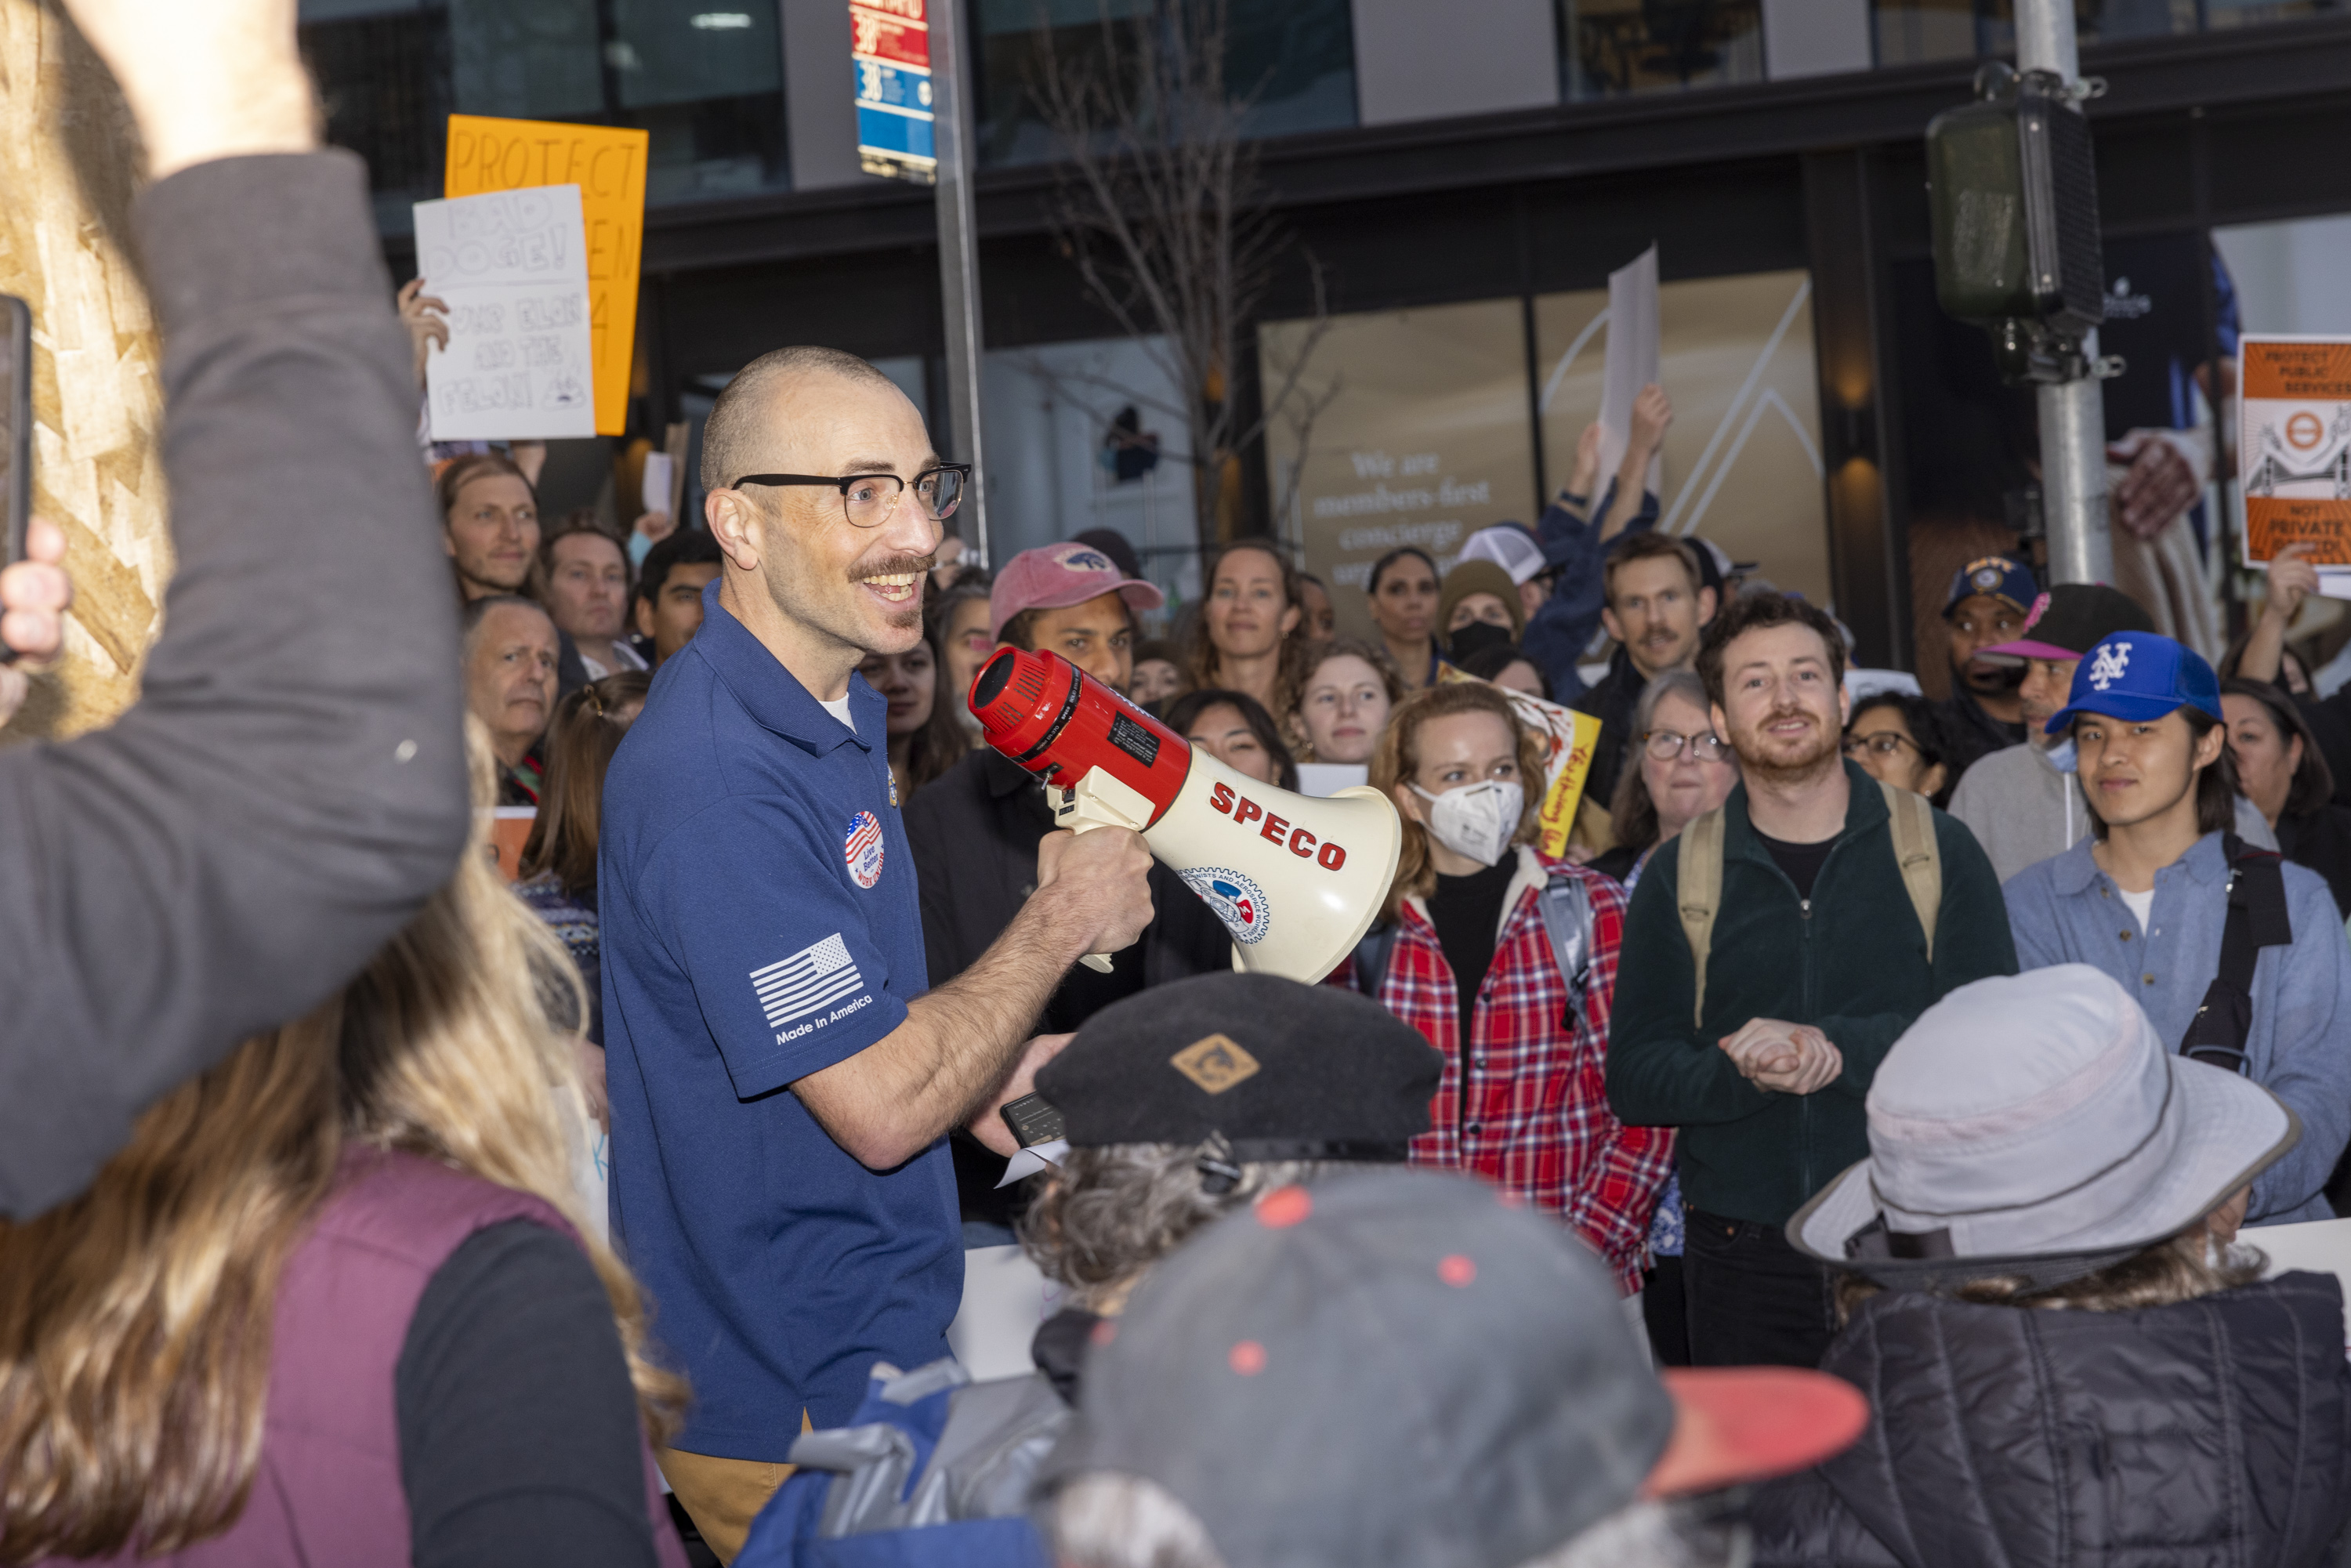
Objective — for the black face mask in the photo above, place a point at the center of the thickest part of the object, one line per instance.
(1476, 637)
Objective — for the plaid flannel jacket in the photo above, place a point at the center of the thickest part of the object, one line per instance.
(1528, 1108)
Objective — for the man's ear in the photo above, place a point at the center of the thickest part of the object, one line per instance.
(738, 527)
(1706, 602)
(1608, 619)
(1845, 706)
(1720, 720)
(641, 615)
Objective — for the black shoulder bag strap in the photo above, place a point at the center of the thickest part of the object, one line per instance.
(2257, 919)
(1372, 955)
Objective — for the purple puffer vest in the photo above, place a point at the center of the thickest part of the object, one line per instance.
(328, 1490)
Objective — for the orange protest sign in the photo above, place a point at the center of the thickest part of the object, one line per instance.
(2294, 448)
(608, 167)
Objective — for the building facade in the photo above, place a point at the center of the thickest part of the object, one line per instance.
(1457, 180)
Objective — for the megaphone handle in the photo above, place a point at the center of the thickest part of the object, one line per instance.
(1097, 962)
(1099, 800)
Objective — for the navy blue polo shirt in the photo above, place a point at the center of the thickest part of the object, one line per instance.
(759, 923)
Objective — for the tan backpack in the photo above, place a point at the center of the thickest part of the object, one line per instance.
(1701, 868)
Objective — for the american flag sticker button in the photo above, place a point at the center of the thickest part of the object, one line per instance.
(861, 850)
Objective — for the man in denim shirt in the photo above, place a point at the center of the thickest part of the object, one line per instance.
(2147, 898)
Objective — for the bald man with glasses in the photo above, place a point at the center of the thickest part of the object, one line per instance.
(782, 1077)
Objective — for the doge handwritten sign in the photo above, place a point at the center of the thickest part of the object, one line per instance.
(608, 164)
(513, 269)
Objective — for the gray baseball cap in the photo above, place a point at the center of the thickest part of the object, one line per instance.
(1399, 1369)
(2032, 1125)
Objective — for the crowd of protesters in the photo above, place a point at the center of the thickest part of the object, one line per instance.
(1778, 1168)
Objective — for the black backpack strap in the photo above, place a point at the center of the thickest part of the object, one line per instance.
(2258, 918)
(1372, 955)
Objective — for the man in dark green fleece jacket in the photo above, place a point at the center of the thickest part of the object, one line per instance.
(1817, 963)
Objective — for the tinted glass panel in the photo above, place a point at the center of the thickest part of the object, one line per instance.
(703, 77)
(1611, 48)
(1293, 62)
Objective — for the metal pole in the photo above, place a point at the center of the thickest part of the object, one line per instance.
(2072, 413)
(958, 262)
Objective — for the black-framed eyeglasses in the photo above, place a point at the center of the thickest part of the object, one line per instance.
(1666, 745)
(1883, 742)
(871, 499)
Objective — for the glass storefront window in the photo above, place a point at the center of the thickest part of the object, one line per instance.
(1910, 31)
(1294, 60)
(1611, 48)
(705, 78)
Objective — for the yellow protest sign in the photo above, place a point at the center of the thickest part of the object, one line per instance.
(608, 167)
(1569, 739)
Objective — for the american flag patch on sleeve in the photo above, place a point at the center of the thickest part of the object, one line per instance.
(813, 977)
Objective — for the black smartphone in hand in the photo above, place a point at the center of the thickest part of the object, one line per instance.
(16, 440)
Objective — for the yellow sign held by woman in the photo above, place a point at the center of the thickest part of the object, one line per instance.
(608, 164)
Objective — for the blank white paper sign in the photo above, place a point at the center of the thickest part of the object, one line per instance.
(512, 266)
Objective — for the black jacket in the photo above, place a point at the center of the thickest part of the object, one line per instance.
(1969, 732)
(1850, 959)
(292, 784)
(2213, 1432)
(2321, 839)
(974, 831)
(1611, 702)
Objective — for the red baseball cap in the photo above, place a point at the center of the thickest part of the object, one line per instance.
(1054, 577)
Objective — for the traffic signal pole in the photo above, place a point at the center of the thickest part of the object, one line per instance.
(2072, 413)
(958, 264)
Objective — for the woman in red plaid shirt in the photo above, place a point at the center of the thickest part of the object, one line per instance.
(1523, 1101)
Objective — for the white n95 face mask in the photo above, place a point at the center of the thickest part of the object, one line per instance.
(1476, 821)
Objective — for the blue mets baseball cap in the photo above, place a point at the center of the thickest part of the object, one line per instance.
(1997, 576)
(2138, 676)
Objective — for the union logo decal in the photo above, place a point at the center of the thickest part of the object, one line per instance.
(861, 850)
(1239, 903)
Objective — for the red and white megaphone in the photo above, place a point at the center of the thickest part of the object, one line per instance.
(1296, 880)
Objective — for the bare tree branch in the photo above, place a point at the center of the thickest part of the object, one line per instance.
(1160, 211)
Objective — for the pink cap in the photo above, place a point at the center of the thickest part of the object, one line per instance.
(1054, 577)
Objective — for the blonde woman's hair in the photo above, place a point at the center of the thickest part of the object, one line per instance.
(1397, 761)
(135, 1320)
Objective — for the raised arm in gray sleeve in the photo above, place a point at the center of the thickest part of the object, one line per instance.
(291, 785)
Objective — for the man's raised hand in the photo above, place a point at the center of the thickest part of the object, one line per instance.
(204, 78)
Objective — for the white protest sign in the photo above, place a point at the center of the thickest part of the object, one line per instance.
(512, 267)
(1631, 361)
(653, 493)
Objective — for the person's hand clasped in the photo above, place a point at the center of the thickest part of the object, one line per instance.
(1786, 1058)
(35, 594)
(989, 1126)
(1101, 878)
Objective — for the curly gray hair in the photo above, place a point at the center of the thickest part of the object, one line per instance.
(1111, 1212)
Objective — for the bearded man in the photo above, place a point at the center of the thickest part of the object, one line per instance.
(1756, 1027)
(782, 1074)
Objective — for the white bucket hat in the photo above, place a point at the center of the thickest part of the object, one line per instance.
(2033, 1125)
